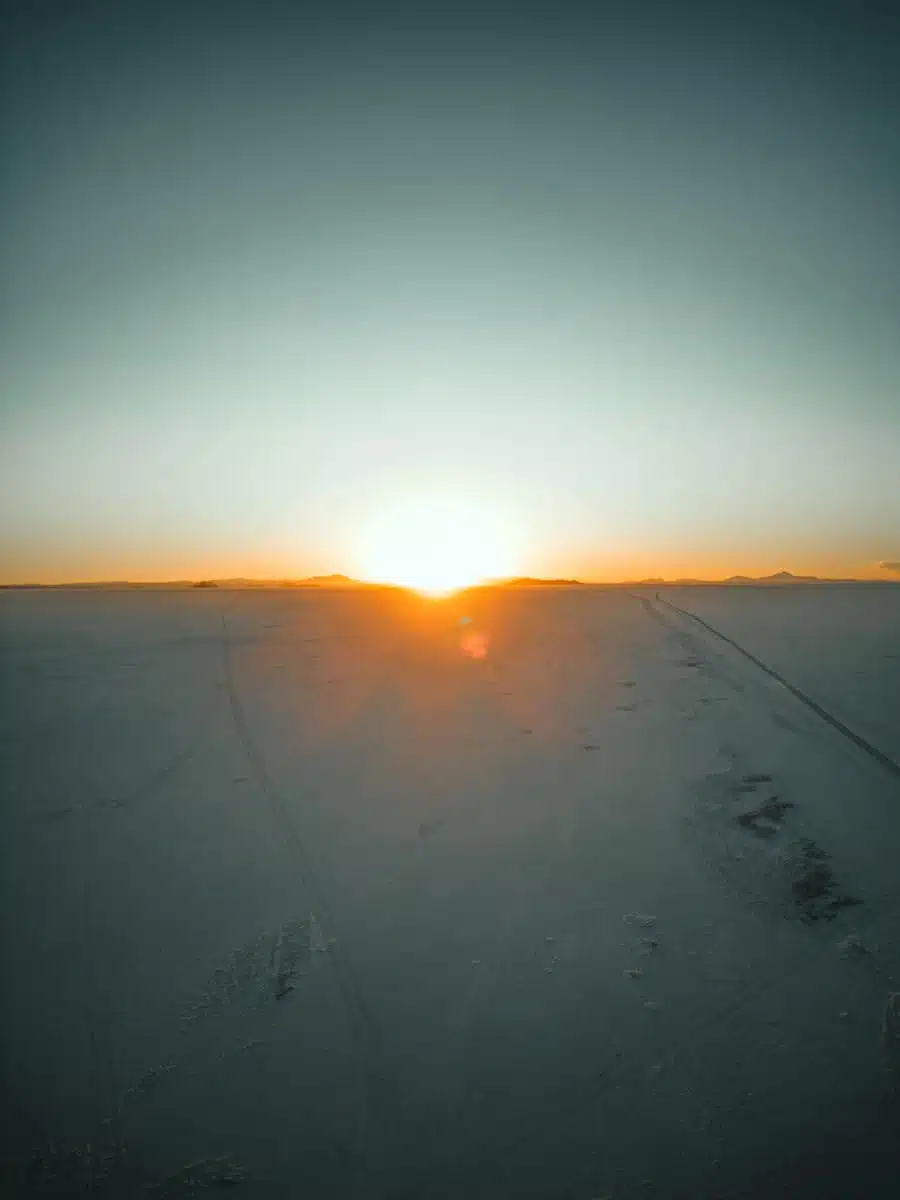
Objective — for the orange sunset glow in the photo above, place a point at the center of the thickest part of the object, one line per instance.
(437, 546)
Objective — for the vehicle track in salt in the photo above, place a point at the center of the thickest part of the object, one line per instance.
(362, 1025)
(887, 763)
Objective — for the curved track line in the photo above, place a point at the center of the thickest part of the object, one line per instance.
(97, 1023)
(543, 1124)
(884, 761)
(573, 1099)
(362, 1024)
(157, 779)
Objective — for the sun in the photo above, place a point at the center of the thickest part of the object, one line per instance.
(437, 546)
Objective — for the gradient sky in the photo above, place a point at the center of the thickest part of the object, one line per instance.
(628, 275)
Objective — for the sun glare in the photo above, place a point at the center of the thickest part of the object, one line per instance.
(437, 547)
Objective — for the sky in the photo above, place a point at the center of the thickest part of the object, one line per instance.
(623, 279)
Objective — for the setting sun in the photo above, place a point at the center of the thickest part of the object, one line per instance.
(437, 546)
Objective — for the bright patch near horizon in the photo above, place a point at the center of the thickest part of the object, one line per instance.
(437, 546)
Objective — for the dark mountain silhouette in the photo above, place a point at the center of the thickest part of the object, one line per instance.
(312, 581)
(529, 581)
(779, 579)
(787, 577)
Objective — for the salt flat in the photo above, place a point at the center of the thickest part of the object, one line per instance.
(567, 899)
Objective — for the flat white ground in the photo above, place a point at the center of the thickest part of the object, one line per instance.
(295, 879)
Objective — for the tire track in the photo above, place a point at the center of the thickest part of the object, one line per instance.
(362, 1025)
(884, 761)
(548, 1121)
(152, 784)
(143, 791)
(97, 1022)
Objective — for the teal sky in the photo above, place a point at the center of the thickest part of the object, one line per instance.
(631, 282)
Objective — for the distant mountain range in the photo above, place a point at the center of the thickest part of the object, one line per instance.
(314, 581)
(780, 577)
(345, 582)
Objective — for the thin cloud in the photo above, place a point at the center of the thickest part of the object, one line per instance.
(890, 566)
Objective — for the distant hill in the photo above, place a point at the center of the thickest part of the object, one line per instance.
(526, 581)
(313, 581)
(331, 581)
(787, 577)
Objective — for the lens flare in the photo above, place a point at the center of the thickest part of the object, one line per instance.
(474, 645)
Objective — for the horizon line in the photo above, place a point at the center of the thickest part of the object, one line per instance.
(339, 580)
